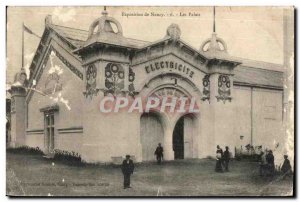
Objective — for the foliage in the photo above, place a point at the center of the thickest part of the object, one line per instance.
(250, 153)
(65, 156)
(26, 150)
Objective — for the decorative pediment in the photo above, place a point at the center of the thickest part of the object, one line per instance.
(170, 65)
(51, 52)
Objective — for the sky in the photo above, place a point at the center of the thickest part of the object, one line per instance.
(254, 33)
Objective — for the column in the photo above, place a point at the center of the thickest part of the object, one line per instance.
(168, 144)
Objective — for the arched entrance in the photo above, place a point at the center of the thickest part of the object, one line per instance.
(171, 85)
(185, 138)
(152, 133)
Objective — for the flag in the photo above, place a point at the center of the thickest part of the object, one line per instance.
(29, 31)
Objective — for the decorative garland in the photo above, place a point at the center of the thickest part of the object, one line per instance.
(224, 88)
(114, 79)
(131, 78)
(91, 77)
(206, 87)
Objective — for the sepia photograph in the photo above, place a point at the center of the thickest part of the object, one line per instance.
(150, 101)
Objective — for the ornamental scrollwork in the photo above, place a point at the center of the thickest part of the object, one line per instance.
(224, 92)
(131, 77)
(91, 76)
(206, 87)
(114, 79)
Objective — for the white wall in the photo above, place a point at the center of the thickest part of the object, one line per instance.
(69, 100)
(266, 117)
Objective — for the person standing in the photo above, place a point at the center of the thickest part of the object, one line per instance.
(127, 170)
(226, 158)
(159, 152)
(286, 167)
(219, 157)
(263, 164)
(270, 162)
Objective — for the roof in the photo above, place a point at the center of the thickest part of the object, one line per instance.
(256, 76)
(75, 36)
(250, 72)
(78, 37)
(261, 64)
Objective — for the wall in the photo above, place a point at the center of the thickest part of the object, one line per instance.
(109, 135)
(242, 115)
(69, 100)
(35, 140)
(69, 142)
(267, 118)
(263, 120)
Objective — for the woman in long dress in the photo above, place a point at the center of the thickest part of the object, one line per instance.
(219, 159)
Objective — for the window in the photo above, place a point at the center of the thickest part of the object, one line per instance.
(49, 127)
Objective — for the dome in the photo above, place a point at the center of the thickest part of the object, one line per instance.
(104, 25)
(214, 46)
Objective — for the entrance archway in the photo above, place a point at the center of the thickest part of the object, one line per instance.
(152, 133)
(174, 85)
(185, 138)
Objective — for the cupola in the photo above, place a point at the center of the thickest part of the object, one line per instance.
(214, 46)
(104, 27)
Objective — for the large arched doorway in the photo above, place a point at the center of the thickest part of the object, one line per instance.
(172, 85)
(152, 133)
(185, 138)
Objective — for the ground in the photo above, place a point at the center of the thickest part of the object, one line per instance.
(33, 175)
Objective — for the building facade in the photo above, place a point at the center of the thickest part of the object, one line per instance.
(239, 101)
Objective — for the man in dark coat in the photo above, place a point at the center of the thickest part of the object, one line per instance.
(159, 152)
(270, 162)
(286, 167)
(127, 170)
(263, 166)
(226, 156)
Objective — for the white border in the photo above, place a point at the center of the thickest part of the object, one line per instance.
(4, 3)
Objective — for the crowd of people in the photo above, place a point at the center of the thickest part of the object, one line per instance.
(267, 166)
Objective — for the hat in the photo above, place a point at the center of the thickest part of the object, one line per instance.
(127, 155)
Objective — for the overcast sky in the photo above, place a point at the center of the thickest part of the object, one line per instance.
(254, 33)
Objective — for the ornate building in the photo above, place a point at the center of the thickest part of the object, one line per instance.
(240, 102)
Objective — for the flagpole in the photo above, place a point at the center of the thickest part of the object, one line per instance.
(214, 28)
(23, 45)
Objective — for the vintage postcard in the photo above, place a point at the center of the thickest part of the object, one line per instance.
(150, 101)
